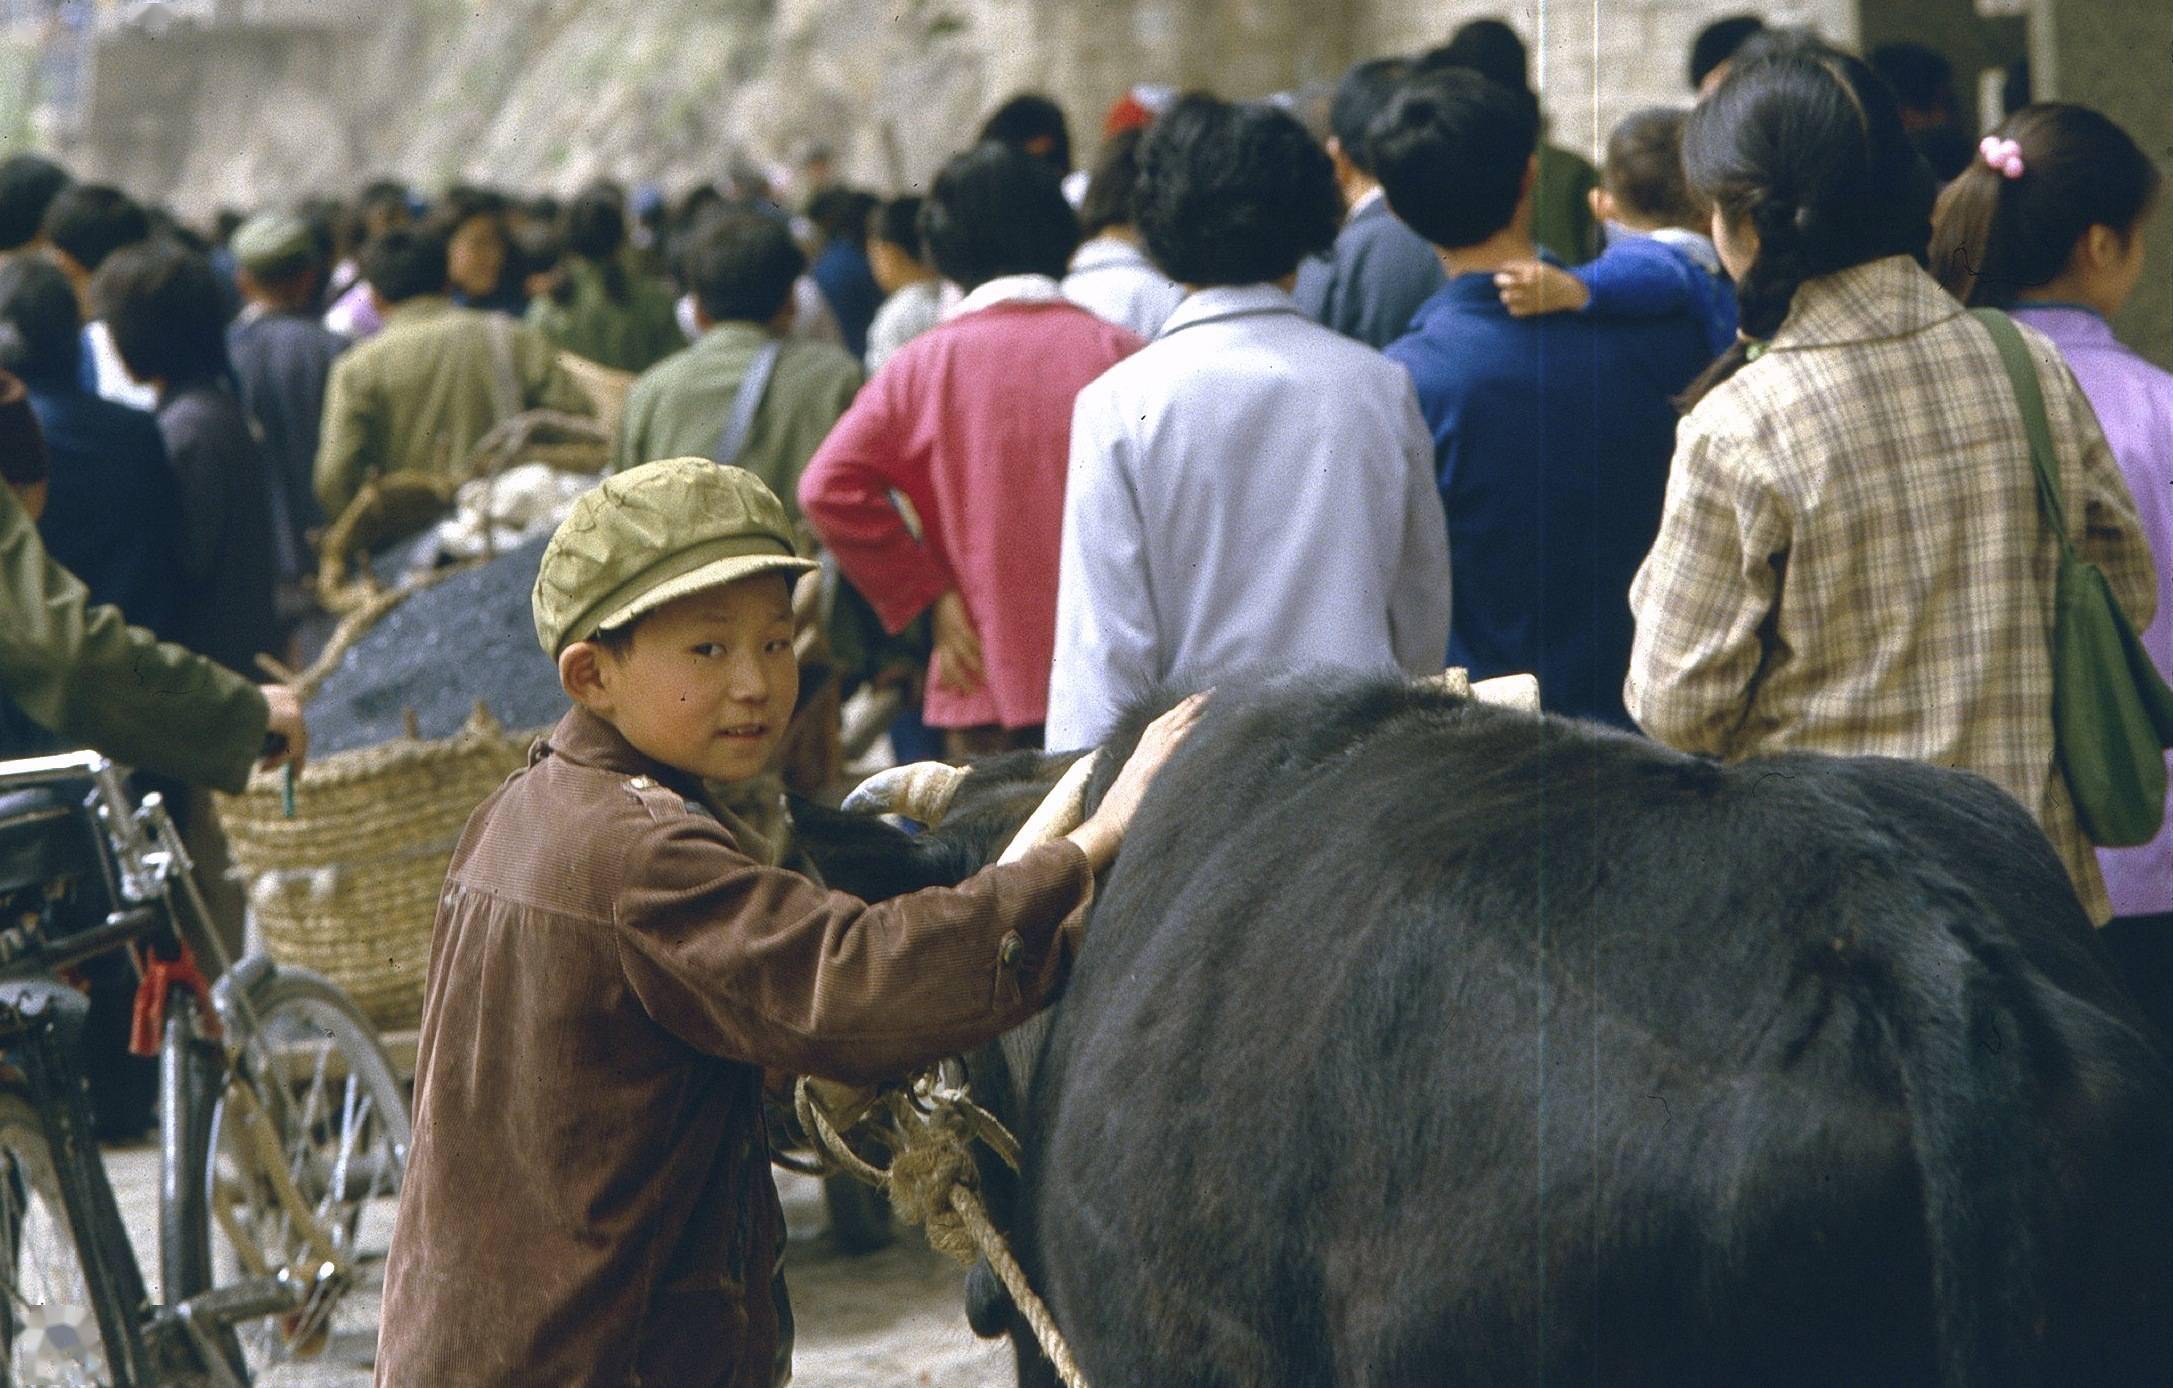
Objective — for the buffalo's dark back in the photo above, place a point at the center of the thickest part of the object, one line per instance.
(1416, 1041)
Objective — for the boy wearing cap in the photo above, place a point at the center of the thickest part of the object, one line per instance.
(616, 961)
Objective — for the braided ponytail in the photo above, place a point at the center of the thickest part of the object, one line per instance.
(1768, 288)
(1806, 148)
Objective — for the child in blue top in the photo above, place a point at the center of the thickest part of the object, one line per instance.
(1656, 261)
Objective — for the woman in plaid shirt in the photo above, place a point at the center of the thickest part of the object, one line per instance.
(1851, 557)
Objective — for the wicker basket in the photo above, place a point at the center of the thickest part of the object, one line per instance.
(398, 504)
(350, 885)
(386, 508)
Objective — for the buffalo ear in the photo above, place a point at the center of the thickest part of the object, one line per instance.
(988, 1305)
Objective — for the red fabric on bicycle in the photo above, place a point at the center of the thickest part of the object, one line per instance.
(161, 977)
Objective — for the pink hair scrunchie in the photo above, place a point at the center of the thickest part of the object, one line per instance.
(2005, 156)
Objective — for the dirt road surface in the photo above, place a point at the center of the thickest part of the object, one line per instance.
(890, 1319)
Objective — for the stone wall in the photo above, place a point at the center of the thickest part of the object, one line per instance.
(550, 93)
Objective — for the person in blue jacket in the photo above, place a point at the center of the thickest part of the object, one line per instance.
(1552, 434)
(1657, 262)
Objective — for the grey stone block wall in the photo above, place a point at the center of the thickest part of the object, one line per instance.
(554, 92)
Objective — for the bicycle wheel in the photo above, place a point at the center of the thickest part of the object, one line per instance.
(318, 1102)
(49, 1327)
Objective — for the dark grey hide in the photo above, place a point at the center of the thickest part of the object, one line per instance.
(1418, 1042)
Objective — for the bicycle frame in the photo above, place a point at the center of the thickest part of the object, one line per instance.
(42, 1019)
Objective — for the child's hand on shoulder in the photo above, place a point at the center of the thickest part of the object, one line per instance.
(1531, 287)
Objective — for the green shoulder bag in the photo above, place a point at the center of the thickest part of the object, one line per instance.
(2112, 714)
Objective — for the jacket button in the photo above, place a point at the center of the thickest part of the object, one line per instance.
(1011, 951)
(642, 783)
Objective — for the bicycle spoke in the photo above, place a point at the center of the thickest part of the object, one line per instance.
(51, 1330)
(335, 1150)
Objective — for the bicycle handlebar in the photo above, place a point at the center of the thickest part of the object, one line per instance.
(38, 771)
(153, 864)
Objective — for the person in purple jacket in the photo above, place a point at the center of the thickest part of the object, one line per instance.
(2047, 222)
(1658, 259)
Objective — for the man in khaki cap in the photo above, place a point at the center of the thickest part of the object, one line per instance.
(282, 356)
(589, 1196)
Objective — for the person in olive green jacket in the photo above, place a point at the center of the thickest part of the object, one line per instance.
(741, 267)
(604, 310)
(81, 671)
(419, 395)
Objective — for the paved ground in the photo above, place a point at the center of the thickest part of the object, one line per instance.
(883, 1320)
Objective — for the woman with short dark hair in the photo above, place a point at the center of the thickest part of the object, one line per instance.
(480, 262)
(1111, 274)
(996, 211)
(1252, 488)
(971, 422)
(111, 502)
(1852, 557)
(913, 291)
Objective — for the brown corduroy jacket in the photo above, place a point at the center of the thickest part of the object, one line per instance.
(589, 1198)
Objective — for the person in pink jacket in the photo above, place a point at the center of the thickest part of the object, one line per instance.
(970, 424)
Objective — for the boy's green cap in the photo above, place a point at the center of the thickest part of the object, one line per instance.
(653, 534)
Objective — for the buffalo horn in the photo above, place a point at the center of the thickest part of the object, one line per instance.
(1503, 691)
(922, 791)
(1509, 691)
(1057, 815)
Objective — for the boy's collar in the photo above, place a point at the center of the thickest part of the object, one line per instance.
(760, 825)
(585, 739)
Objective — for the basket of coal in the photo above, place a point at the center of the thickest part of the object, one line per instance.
(428, 697)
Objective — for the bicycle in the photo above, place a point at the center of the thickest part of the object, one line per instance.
(280, 1118)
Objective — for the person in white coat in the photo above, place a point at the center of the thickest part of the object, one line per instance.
(1251, 490)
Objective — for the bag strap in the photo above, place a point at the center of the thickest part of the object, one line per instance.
(2022, 372)
(740, 426)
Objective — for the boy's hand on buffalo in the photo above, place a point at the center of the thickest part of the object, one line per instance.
(1101, 835)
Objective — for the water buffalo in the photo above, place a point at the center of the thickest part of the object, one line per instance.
(1420, 1042)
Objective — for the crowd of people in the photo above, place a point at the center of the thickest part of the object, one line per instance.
(1704, 437)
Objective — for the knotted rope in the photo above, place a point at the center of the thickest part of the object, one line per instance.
(931, 1179)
